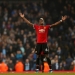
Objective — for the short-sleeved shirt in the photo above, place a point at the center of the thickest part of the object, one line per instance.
(42, 33)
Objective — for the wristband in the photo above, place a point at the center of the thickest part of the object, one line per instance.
(60, 20)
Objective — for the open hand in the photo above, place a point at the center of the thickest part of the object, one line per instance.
(21, 15)
(64, 18)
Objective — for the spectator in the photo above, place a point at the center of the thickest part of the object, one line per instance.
(69, 61)
(12, 57)
(27, 65)
(22, 49)
(10, 50)
(24, 39)
(3, 52)
(19, 55)
(64, 65)
(28, 50)
(3, 66)
(56, 65)
(34, 61)
(59, 53)
(61, 66)
(10, 66)
(19, 67)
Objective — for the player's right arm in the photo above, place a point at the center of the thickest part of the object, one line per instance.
(27, 21)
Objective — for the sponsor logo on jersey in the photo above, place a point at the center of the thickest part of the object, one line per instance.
(41, 30)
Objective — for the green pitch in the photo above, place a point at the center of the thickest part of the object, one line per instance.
(58, 73)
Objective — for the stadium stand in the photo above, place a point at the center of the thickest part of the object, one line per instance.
(18, 40)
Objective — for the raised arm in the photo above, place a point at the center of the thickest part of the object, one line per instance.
(27, 21)
(63, 18)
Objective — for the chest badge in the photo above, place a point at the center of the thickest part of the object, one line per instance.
(44, 27)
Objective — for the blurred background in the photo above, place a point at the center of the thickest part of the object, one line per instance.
(18, 40)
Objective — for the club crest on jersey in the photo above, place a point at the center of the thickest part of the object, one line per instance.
(44, 27)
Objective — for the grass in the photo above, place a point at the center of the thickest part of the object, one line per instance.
(33, 73)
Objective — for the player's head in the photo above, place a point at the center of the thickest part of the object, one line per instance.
(41, 21)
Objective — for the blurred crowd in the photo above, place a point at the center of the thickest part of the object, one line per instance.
(18, 40)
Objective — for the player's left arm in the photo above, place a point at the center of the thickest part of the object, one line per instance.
(63, 19)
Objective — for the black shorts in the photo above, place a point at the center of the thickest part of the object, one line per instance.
(41, 48)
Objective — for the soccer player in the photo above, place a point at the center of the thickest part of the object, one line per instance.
(42, 32)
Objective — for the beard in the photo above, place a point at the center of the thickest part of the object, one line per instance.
(41, 24)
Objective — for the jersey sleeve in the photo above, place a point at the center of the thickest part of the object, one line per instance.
(34, 26)
(48, 26)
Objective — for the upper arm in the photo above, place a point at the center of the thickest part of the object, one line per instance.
(51, 25)
(31, 24)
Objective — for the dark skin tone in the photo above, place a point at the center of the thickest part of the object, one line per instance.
(41, 21)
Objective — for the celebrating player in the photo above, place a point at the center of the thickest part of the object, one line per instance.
(42, 32)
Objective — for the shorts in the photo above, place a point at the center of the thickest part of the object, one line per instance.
(41, 48)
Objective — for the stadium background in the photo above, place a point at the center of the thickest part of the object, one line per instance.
(18, 40)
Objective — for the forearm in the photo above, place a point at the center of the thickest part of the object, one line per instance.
(56, 23)
(27, 21)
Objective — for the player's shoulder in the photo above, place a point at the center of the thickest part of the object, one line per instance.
(36, 24)
(47, 25)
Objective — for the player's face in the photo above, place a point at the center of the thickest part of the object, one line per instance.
(41, 22)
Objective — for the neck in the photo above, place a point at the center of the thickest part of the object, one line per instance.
(41, 24)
